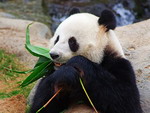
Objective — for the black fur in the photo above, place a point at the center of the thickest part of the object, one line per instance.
(111, 86)
(57, 39)
(107, 19)
(73, 44)
(74, 11)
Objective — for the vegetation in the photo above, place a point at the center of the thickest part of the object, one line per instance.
(9, 80)
(31, 10)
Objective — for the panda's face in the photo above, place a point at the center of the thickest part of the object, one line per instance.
(79, 34)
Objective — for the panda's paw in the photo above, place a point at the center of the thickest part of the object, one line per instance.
(82, 65)
(66, 77)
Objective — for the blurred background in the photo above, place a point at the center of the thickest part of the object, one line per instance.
(134, 38)
(52, 12)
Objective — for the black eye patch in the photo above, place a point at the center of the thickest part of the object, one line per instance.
(74, 46)
(57, 39)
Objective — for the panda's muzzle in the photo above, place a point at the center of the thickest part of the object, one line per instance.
(54, 56)
(58, 64)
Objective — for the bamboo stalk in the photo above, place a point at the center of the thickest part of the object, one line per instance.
(88, 96)
(49, 100)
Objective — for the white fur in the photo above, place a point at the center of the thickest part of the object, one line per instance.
(115, 44)
(91, 37)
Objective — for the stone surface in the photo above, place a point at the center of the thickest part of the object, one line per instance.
(7, 15)
(135, 40)
(12, 37)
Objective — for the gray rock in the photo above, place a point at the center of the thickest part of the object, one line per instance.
(6, 15)
(12, 38)
(135, 40)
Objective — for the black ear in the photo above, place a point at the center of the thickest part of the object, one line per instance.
(107, 19)
(74, 11)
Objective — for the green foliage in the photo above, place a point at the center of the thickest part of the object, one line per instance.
(24, 91)
(9, 79)
(7, 61)
(37, 73)
(10, 94)
(40, 61)
(43, 66)
(35, 50)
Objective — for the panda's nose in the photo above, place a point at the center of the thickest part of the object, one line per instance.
(54, 55)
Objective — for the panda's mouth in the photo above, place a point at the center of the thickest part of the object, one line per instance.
(58, 64)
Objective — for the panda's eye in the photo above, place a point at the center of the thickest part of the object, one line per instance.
(57, 39)
(74, 46)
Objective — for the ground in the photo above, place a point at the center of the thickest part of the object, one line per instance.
(12, 96)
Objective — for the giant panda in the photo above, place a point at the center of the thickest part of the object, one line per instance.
(86, 47)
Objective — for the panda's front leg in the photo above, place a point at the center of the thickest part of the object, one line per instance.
(43, 93)
(96, 80)
(65, 78)
(111, 87)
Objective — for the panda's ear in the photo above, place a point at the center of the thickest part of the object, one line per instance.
(74, 11)
(107, 19)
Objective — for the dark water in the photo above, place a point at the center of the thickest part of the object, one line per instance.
(126, 11)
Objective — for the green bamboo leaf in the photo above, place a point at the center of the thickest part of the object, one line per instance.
(41, 60)
(24, 72)
(87, 96)
(28, 34)
(35, 50)
(43, 66)
(38, 51)
(20, 72)
(39, 72)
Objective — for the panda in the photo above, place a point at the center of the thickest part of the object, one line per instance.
(86, 47)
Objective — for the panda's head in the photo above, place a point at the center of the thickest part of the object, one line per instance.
(81, 34)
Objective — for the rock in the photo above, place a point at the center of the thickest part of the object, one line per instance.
(7, 15)
(12, 37)
(135, 40)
